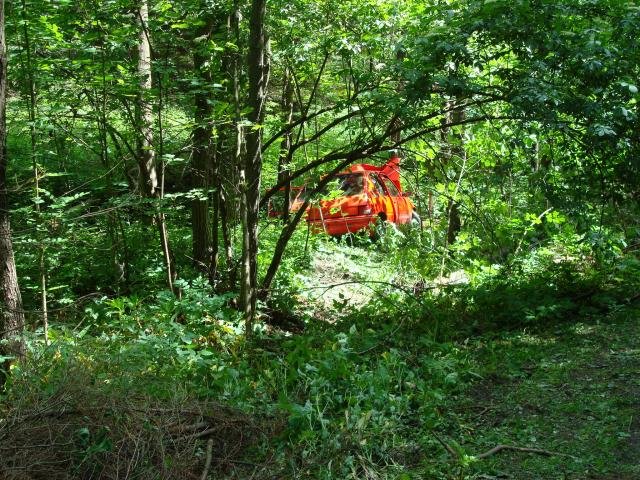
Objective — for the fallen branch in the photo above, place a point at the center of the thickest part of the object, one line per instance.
(204, 433)
(538, 451)
(207, 463)
(484, 410)
(446, 446)
(186, 428)
(238, 462)
(499, 448)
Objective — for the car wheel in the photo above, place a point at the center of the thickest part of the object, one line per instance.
(379, 228)
(416, 221)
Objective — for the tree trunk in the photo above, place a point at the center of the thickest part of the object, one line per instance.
(201, 169)
(454, 223)
(457, 150)
(11, 313)
(120, 257)
(148, 180)
(227, 179)
(146, 153)
(291, 225)
(31, 108)
(285, 156)
(449, 150)
(258, 73)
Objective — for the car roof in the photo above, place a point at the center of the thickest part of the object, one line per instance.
(390, 169)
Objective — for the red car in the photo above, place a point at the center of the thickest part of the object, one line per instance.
(370, 194)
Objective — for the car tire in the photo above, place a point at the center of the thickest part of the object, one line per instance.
(379, 227)
(416, 221)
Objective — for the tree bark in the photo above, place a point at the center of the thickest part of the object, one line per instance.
(258, 73)
(201, 169)
(148, 181)
(11, 313)
(285, 156)
(146, 152)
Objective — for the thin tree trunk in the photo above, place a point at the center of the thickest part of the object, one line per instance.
(31, 107)
(454, 222)
(227, 240)
(115, 230)
(457, 150)
(285, 156)
(258, 73)
(228, 166)
(290, 227)
(246, 287)
(215, 227)
(11, 313)
(146, 151)
(201, 169)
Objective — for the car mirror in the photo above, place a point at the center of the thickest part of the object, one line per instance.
(407, 194)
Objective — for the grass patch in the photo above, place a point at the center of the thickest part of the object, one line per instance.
(574, 390)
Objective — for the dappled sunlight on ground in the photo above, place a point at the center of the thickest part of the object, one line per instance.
(578, 397)
(344, 277)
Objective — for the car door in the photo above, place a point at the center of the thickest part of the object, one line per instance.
(403, 212)
(405, 206)
(381, 199)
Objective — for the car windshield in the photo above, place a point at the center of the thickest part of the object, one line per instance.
(344, 185)
(351, 184)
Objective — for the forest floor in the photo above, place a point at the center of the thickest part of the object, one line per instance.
(339, 276)
(572, 391)
(341, 279)
(368, 389)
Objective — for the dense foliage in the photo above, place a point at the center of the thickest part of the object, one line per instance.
(144, 142)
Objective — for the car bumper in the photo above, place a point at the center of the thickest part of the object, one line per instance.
(342, 225)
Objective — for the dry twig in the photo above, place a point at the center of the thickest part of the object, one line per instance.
(81, 431)
(207, 463)
(499, 448)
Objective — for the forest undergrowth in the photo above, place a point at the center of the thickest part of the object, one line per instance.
(540, 361)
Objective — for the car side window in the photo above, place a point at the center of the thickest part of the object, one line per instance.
(378, 188)
(391, 187)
